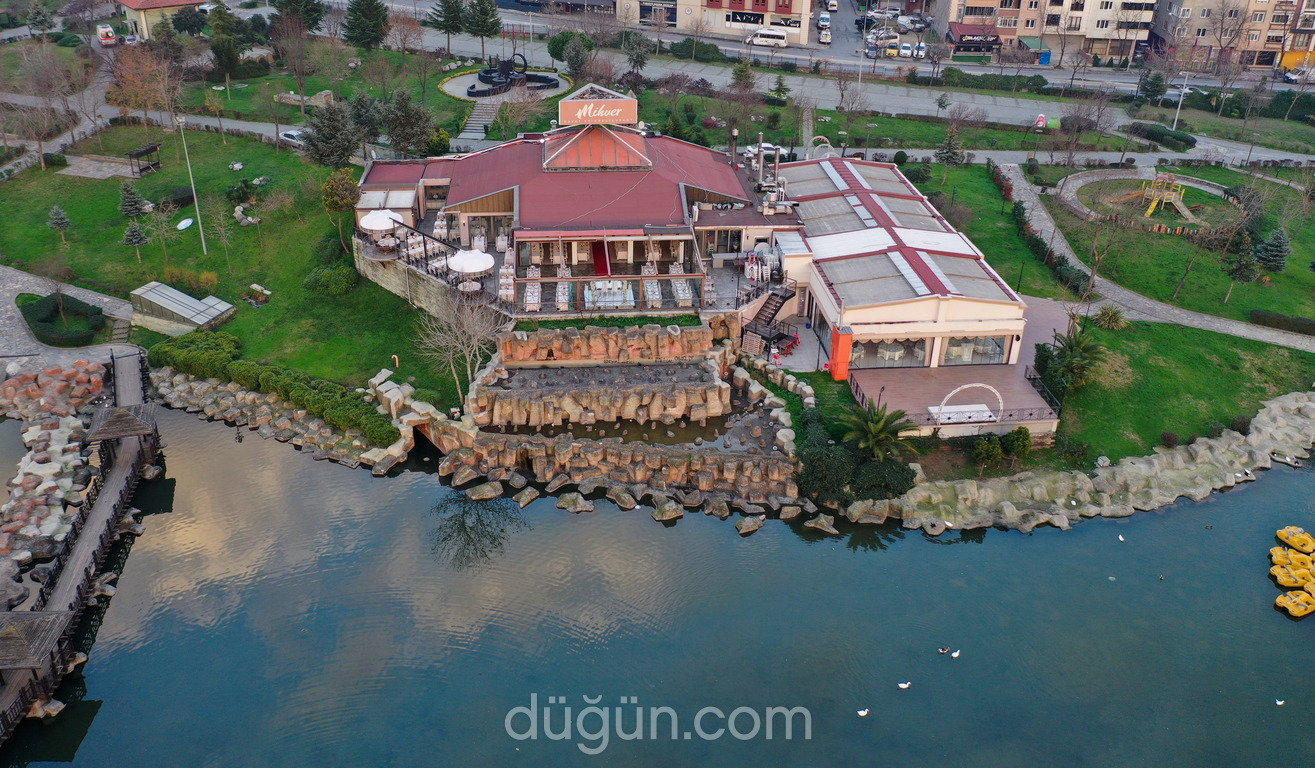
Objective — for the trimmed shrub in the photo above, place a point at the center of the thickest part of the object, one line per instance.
(245, 71)
(1017, 443)
(1283, 322)
(901, 157)
(328, 250)
(178, 197)
(918, 174)
(1170, 439)
(988, 450)
(1215, 430)
(825, 469)
(334, 280)
(54, 160)
(1163, 135)
(1241, 424)
(43, 315)
(884, 479)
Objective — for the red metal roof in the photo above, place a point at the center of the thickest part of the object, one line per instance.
(595, 147)
(593, 198)
(150, 5)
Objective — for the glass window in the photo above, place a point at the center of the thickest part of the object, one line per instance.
(1030, 23)
(823, 329)
(1103, 24)
(1258, 17)
(983, 350)
(900, 353)
(1205, 13)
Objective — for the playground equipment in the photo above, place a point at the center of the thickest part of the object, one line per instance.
(1163, 191)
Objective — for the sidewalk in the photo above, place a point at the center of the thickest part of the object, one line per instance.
(16, 340)
(1136, 305)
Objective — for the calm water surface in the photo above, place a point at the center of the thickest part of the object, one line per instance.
(281, 611)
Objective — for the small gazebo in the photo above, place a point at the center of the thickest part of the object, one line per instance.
(113, 423)
(29, 640)
(144, 159)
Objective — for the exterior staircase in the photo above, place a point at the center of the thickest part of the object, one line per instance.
(482, 114)
(120, 330)
(764, 330)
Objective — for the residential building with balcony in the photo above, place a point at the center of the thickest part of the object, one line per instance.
(982, 29)
(1105, 28)
(1203, 35)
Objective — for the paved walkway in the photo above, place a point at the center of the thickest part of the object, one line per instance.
(1136, 305)
(16, 339)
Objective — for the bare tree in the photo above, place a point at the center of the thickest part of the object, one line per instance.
(138, 82)
(521, 107)
(698, 28)
(936, 53)
(160, 229)
(331, 59)
(457, 335)
(422, 66)
(84, 98)
(331, 24)
(1016, 57)
(42, 77)
(380, 72)
(405, 33)
(219, 224)
(295, 45)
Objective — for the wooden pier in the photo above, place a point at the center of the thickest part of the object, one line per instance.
(36, 644)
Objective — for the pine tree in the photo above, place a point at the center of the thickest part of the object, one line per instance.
(223, 23)
(135, 238)
(409, 125)
(1240, 268)
(366, 23)
(365, 112)
(780, 90)
(331, 136)
(446, 17)
(59, 222)
(1273, 252)
(131, 202)
(38, 19)
(482, 20)
(950, 151)
(310, 11)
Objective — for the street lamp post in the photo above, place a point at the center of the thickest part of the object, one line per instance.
(880, 392)
(1181, 95)
(182, 122)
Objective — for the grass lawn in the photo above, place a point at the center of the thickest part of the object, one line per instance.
(992, 229)
(1049, 175)
(346, 339)
(1153, 264)
(1290, 135)
(887, 133)
(251, 102)
(12, 55)
(1160, 377)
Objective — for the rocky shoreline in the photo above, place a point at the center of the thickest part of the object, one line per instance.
(55, 407)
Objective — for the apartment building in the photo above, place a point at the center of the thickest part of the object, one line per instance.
(987, 26)
(1300, 48)
(1201, 35)
(1101, 27)
(1105, 28)
(736, 18)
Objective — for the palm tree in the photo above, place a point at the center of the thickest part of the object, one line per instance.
(1076, 354)
(876, 431)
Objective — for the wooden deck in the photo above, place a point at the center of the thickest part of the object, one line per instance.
(78, 565)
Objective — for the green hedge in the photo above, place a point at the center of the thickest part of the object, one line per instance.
(1283, 322)
(332, 280)
(1162, 135)
(42, 314)
(215, 354)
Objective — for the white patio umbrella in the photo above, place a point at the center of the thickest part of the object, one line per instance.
(470, 262)
(381, 220)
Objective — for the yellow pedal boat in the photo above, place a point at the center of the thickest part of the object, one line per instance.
(1285, 556)
(1297, 604)
(1291, 576)
(1297, 538)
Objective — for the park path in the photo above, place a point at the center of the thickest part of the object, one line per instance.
(1137, 306)
(16, 339)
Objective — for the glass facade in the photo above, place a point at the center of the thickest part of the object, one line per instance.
(981, 350)
(900, 353)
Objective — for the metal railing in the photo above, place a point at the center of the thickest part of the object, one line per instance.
(1034, 379)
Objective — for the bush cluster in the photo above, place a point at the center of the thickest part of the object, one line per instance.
(214, 354)
(247, 70)
(332, 280)
(1063, 270)
(1162, 135)
(918, 174)
(957, 78)
(1283, 322)
(43, 314)
(54, 159)
(703, 51)
(1000, 180)
(178, 197)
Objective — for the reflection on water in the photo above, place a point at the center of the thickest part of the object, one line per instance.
(282, 611)
(471, 533)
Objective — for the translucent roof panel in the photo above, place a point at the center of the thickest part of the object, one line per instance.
(156, 298)
(971, 277)
(867, 280)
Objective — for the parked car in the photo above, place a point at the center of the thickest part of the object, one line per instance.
(293, 138)
(892, 49)
(129, 39)
(883, 33)
(871, 51)
(824, 37)
(906, 51)
(833, 5)
(752, 150)
(824, 20)
(1298, 75)
(207, 7)
(920, 51)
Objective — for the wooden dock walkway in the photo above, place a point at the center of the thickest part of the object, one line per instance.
(47, 628)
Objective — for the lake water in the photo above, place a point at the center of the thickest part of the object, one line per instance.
(281, 611)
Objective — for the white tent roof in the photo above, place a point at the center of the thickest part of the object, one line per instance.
(382, 220)
(469, 262)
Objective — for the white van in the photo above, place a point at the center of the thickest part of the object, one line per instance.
(833, 5)
(824, 21)
(769, 37)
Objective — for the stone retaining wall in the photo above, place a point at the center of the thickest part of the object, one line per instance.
(592, 345)
(1283, 429)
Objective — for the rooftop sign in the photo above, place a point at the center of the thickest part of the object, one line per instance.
(594, 105)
